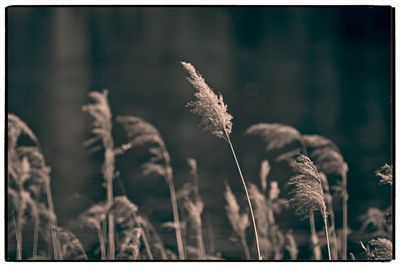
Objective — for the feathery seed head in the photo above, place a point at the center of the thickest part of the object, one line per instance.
(274, 135)
(329, 161)
(374, 217)
(264, 171)
(379, 249)
(318, 142)
(94, 216)
(71, 247)
(239, 222)
(209, 106)
(25, 166)
(386, 174)
(36, 172)
(193, 166)
(139, 131)
(142, 133)
(124, 210)
(306, 193)
(100, 113)
(16, 127)
(274, 191)
(130, 245)
(260, 209)
(195, 209)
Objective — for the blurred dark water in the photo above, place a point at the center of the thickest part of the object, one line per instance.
(322, 70)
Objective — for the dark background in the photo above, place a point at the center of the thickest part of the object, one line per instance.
(323, 70)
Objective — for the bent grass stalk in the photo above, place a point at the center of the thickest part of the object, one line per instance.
(176, 220)
(216, 119)
(196, 209)
(100, 112)
(307, 194)
(174, 202)
(140, 132)
(53, 222)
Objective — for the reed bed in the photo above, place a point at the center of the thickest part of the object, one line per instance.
(317, 192)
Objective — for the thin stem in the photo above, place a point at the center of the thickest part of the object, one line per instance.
(53, 222)
(178, 233)
(35, 238)
(199, 230)
(327, 235)
(210, 236)
(17, 237)
(102, 243)
(332, 231)
(108, 173)
(104, 236)
(314, 237)
(158, 243)
(247, 196)
(111, 244)
(200, 244)
(344, 209)
(245, 248)
(146, 244)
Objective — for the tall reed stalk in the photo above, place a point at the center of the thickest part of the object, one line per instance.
(239, 221)
(216, 119)
(307, 193)
(108, 172)
(331, 222)
(195, 209)
(100, 112)
(329, 161)
(53, 222)
(314, 238)
(18, 238)
(247, 197)
(177, 224)
(140, 133)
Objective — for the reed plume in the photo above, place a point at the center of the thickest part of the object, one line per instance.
(127, 218)
(210, 107)
(385, 173)
(272, 239)
(379, 249)
(264, 171)
(101, 128)
(142, 133)
(314, 141)
(28, 177)
(307, 193)
(329, 161)
(274, 135)
(239, 221)
(375, 219)
(95, 218)
(195, 208)
(216, 119)
(261, 216)
(130, 245)
(70, 246)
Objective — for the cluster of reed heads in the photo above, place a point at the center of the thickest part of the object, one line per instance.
(124, 233)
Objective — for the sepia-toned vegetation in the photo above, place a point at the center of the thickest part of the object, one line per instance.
(124, 233)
